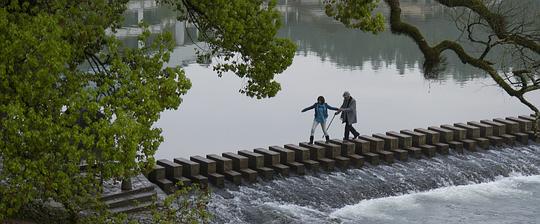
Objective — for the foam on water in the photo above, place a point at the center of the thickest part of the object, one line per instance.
(386, 209)
(491, 185)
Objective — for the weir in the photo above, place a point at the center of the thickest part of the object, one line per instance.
(259, 165)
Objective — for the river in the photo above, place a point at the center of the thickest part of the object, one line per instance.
(383, 72)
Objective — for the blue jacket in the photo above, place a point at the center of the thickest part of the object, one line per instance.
(321, 111)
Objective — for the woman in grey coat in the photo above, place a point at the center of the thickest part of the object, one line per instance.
(349, 115)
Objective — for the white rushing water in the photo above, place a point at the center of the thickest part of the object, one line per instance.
(507, 200)
(501, 185)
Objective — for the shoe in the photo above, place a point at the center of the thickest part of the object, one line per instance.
(311, 140)
(355, 137)
(327, 138)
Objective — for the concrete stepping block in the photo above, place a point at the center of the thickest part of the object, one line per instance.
(300, 153)
(166, 185)
(347, 148)
(372, 158)
(472, 131)
(189, 168)
(495, 141)
(256, 162)
(342, 162)
(375, 144)
(317, 153)
(485, 130)
(511, 126)
(524, 125)
(331, 150)
(172, 169)
(224, 167)
(445, 135)
(249, 175)
(442, 148)
(509, 139)
(357, 161)
(361, 146)
(390, 143)
(428, 150)
(432, 137)
(287, 158)
(482, 142)
(414, 152)
(386, 156)
(418, 139)
(208, 169)
(404, 141)
(157, 173)
(222, 164)
(459, 133)
(522, 138)
(400, 154)
(456, 146)
(498, 128)
(469, 144)
(531, 119)
(272, 160)
(240, 164)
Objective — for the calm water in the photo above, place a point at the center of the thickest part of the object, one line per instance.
(383, 73)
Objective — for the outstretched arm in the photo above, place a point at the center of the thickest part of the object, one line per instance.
(331, 107)
(308, 108)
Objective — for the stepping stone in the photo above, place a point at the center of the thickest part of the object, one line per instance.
(432, 137)
(456, 146)
(498, 128)
(472, 131)
(301, 155)
(469, 144)
(375, 144)
(482, 142)
(496, 141)
(372, 158)
(404, 141)
(459, 133)
(442, 148)
(414, 152)
(240, 164)
(428, 150)
(400, 154)
(418, 139)
(445, 135)
(485, 130)
(390, 143)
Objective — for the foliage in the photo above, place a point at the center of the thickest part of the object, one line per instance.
(186, 205)
(72, 94)
(356, 14)
(241, 37)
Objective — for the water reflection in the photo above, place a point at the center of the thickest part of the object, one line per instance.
(382, 73)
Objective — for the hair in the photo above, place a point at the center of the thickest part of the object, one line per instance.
(346, 93)
(320, 98)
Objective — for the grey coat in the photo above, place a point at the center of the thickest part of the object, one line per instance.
(349, 112)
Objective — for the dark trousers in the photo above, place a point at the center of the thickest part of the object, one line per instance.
(349, 128)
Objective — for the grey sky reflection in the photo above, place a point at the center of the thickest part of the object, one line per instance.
(214, 118)
(381, 72)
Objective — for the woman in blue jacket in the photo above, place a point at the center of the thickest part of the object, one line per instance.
(321, 113)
